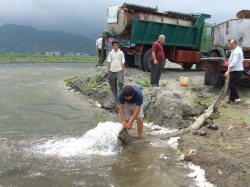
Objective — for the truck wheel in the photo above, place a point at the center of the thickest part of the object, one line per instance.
(187, 65)
(213, 54)
(129, 60)
(147, 60)
(142, 61)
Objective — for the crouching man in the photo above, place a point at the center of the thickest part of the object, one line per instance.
(130, 108)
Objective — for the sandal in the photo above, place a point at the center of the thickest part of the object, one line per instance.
(212, 126)
(199, 133)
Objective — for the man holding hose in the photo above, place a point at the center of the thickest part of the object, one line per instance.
(130, 108)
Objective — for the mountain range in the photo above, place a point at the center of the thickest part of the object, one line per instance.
(20, 39)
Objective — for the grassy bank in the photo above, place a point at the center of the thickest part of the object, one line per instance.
(34, 58)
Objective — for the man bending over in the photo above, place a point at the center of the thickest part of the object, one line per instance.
(130, 108)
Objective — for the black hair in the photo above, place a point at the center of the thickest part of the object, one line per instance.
(115, 42)
(128, 91)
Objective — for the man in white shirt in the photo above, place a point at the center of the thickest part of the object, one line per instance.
(99, 51)
(235, 69)
(116, 61)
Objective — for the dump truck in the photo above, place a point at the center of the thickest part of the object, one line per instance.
(188, 36)
(238, 29)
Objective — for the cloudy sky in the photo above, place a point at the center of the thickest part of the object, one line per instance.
(88, 17)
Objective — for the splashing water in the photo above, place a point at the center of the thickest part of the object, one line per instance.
(102, 140)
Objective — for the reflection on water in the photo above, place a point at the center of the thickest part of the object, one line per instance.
(50, 136)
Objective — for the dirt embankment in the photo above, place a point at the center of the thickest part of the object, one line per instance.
(168, 105)
(223, 153)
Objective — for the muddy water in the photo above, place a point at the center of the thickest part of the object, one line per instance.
(50, 136)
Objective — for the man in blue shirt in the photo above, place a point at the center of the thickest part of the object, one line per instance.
(130, 108)
(235, 69)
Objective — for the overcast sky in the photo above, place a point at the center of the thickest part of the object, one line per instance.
(88, 17)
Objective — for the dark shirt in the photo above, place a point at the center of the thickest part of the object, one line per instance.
(137, 98)
(159, 51)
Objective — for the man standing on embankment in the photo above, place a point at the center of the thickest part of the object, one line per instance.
(158, 58)
(116, 61)
(235, 69)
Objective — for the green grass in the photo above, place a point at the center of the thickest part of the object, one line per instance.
(205, 149)
(205, 101)
(101, 74)
(230, 112)
(68, 80)
(91, 85)
(147, 119)
(33, 58)
(144, 83)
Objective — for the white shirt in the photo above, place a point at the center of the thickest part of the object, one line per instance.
(99, 43)
(236, 59)
(116, 59)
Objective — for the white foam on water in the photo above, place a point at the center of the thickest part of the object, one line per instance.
(102, 140)
(163, 156)
(158, 130)
(198, 175)
(173, 142)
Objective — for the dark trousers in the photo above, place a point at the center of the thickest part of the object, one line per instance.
(101, 60)
(156, 70)
(233, 84)
(116, 78)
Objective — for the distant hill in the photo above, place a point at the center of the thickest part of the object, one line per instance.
(17, 38)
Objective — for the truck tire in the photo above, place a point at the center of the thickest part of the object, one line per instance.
(213, 54)
(187, 65)
(147, 61)
(142, 61)
(129, 60)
